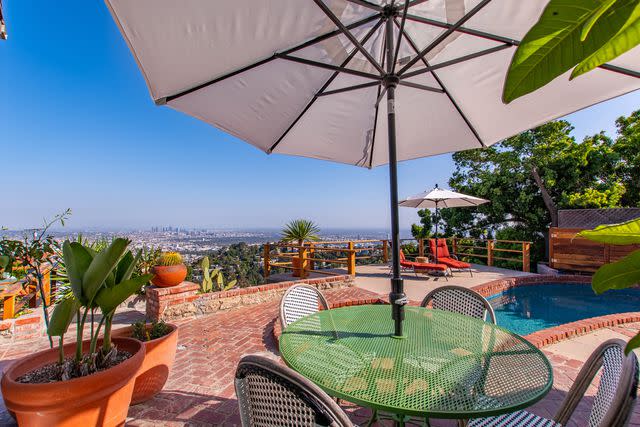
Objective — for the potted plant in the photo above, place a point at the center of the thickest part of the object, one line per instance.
(89, 382)
(160, 340)
(300, 231)
(169, 271)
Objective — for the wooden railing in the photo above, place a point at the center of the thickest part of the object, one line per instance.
(308, 258)
(24, 291)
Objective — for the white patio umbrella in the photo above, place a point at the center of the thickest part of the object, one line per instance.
(307, 77)
(439, 198)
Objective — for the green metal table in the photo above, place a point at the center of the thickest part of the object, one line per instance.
(447, 365)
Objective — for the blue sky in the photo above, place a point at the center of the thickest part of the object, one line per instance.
(78, 129)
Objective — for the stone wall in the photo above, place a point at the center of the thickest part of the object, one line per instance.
(184, 301)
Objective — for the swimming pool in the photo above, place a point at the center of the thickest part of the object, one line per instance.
(527, 309)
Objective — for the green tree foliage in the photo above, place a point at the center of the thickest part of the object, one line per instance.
(423, 230)
(530, 176)
(239, 261)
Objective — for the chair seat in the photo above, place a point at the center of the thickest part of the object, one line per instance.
(453, 263)
(423, 266)
(515, 419)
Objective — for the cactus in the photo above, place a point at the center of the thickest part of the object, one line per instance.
(209, 277)
(207, 282)
(170, 258)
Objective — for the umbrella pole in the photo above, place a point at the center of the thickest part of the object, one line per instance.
(397, 298)
(437, 220)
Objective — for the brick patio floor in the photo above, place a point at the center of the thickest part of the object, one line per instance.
(200, 391)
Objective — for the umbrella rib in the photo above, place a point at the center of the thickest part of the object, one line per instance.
(461, 29)
(453, 101)
(402, 23)
(419, 86)
(329, 66)
(375, 116)
(308, 43)
(326, 85)
(349, 88)
(444, 35)
(457, 60)
(620, 70)
(332, 16)
(366, 4)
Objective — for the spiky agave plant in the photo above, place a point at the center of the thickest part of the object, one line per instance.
(170, 258)
(300, 230)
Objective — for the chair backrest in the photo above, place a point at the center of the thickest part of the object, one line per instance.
(270, 394)
(403, 258)
(614, 399)
(460, 300)
(443, 249)
(300, 301)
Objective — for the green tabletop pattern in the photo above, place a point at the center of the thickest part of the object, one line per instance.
(447, 366)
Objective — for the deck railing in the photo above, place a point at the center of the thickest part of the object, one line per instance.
(315, 257)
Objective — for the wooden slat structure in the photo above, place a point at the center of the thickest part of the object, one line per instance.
(568, 252)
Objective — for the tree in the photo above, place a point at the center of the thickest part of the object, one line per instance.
(530, 176)
(423, 230)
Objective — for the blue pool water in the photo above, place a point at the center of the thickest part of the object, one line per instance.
(527, 309)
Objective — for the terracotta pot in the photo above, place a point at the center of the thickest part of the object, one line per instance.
(100, 399)
(158, 360)
(166, 276)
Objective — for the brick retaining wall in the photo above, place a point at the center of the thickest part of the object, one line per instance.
(23, 328)
(184, 301)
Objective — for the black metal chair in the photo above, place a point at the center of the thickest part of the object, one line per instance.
(460, 300)
(272, 395)
(613, 401)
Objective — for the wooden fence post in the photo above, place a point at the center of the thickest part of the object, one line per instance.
(420, 247)
(46, 286)
(385, 251)
(526, 262)
(312, 251)
(266, 261)
(351, 258)
(454, 245)
(302, 254)
(490, 244)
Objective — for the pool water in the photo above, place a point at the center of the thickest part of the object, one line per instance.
(528, 309)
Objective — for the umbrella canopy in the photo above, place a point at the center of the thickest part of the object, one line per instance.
(439, 198)
(308, 77)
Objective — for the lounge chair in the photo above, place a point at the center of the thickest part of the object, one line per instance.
(270, 394)
(422, 267)
(445, 257)
(613, 402)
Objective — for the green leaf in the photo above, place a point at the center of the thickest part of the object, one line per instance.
(594, 18)
(618, 275)
(126, 266)
(633, 343)
(626, 233)
(624, 40)
(552, 46)
(62, 317)
(108, 299)
(77, 260)
(4, 261)
(102, 265)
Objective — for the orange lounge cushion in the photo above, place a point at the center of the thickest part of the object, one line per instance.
(453, 263)
(429, 266)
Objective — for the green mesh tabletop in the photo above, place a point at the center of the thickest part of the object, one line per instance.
(447, 366)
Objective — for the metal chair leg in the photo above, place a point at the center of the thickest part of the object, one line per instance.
(373, 419)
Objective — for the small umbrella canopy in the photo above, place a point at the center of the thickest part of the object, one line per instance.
(309, 77)
(439, 198)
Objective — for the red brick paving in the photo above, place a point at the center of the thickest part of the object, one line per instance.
(200, 391)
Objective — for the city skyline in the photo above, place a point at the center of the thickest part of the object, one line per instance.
(79, 131)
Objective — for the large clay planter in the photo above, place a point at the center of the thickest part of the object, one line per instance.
(158, 360)
(100, 399)
(166, 276)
